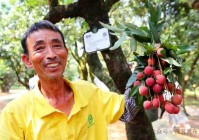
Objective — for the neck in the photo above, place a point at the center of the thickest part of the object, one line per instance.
(54, 88)
(58, 93)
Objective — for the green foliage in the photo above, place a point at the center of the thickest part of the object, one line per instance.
(149, 37)
(12, 26)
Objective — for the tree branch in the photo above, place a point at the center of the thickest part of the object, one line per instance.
(52, 4)
(110, 3)
(195, 4)
(186, 79)
(56, 14)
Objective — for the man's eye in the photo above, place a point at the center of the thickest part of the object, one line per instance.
(38, 48)
(57, 46)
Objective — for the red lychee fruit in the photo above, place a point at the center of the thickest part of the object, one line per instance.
(140, 75)
(170, 86)
(165, 102)
(157, 88)
(156, 72)
(159, 52)
(156, 103)
(178, 91)
(169, 107)
(148, 70)
(136, 83)
(147, 105)
(160, 79)
(161, 98)
(176, 110)
(176, 99)
(143, 90)
(150, 82)
(163, 63)
(151, 61)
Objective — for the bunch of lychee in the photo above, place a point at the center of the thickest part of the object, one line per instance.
(157, 89)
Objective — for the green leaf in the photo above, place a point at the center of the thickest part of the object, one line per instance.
(119, 25)
(169, 46)
(158, 13)
(140, 100)
(131, 26)
(171, 61)
(167, 70)
(160, 25)
(163, 52)
(151, 11)
(148, 49)
(154, 32)
(139, 69)
(184, 49)
(119, 42)
(155, 13)
(142, 39)
(137, 31)
(131, 80)
(172, 54)
(118, 30)
(140, 60)
(134, 91)
(146, 38)
(179, 74)
(133, 44)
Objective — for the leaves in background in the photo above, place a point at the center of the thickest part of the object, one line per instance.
(115, 29)
(131, 80)
(184, 49)
(172, 61)
(119, 42)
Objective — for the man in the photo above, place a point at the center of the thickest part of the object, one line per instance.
(58, 109)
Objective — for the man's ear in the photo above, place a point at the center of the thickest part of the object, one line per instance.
(26, 60)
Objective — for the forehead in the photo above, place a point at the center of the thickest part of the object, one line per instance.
(43, 34)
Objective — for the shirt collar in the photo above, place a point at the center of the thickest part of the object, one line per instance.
(43, 108)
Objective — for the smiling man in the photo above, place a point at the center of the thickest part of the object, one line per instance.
(59, 109)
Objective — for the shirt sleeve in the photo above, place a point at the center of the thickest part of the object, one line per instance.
(110, 104)
(10, 129)
(131, 109)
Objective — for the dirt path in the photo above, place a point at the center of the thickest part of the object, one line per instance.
(117, 130)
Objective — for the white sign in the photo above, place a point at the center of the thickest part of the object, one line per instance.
(97, 41)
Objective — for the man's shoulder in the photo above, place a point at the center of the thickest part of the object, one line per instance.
(20, 102)
(83, 83)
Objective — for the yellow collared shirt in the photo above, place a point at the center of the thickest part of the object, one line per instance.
(31, 117)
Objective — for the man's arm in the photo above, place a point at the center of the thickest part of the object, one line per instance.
(10, 129)
(131, 109)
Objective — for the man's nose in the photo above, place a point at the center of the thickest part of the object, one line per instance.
(50, 53)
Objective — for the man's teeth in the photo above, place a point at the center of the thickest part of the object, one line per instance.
(53, 65)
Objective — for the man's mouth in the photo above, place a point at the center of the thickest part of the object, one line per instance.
(52, 65)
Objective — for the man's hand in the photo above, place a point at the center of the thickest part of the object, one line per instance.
(130, 107)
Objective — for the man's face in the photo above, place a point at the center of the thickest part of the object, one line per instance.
(47, 54)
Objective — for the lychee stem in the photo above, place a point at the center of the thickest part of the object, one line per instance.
(160, 64)
(172, 78)
(150, 94)
(158, 100)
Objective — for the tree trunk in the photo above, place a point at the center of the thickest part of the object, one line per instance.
(7, 82)
(140, 128)
(97, 69)
(186, 79)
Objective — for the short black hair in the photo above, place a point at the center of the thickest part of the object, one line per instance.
(43, 24)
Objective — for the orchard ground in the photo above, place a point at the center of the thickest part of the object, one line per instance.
(161, 127)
